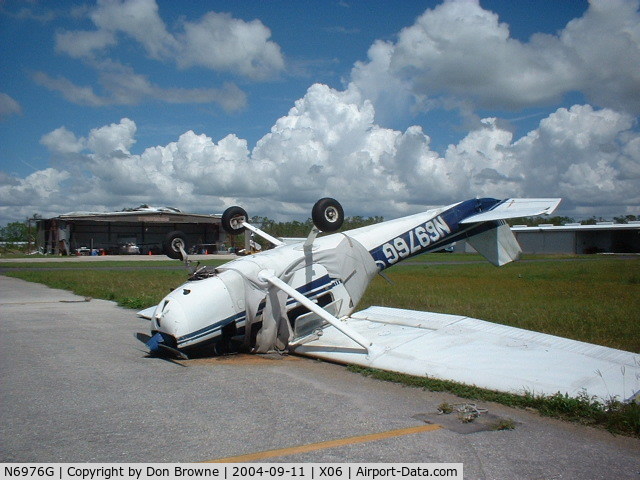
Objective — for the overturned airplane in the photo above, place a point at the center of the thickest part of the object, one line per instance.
(302, 297)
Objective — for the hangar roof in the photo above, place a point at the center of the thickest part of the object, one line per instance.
(570, 227)
(143, 213)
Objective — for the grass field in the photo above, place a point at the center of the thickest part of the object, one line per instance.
(590, 298)
(135, 285)
(593, 299)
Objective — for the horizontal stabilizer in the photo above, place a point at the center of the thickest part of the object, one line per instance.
(515, 208)
(481, 353)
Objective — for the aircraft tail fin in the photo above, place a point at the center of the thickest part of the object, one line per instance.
(498, 245)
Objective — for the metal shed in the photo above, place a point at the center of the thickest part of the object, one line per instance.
(137, 231)
(604, 237)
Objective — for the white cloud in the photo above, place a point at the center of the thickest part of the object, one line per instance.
(331, 142)
(123, 86)
(83, 44)
(138, 19)
(220, 42)
(460, 50)
(605, 45)
(8, 106)
(74, 93)
(329, 145)
(62, 142)
(589, 155)
(112, 140)
(38, 191)
(216, 41)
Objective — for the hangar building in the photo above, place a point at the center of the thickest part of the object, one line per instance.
(574, 238)
(145, 229)
(142, 230)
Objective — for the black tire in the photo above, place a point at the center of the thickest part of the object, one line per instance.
(327, 215)
(230, 219)
(170, 245)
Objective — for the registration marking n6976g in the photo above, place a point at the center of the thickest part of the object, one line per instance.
(415, 240)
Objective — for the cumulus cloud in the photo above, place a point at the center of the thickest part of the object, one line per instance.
(8, 106)
(329, 144)
(36, 192)
(62, 142)
(586, 154)
(220, 42)
(606, 42)
(140, 20)
(216, 41)
(460, 50)
(115, 139)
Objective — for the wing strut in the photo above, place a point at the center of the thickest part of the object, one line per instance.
(270, 276)
(264, 235)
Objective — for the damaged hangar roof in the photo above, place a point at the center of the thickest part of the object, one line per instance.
(143, 213)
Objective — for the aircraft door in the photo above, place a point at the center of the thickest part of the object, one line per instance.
(315, 283)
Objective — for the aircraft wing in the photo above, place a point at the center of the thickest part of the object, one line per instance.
(515, 208)
(477, 352)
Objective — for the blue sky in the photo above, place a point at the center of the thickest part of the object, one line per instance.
(390, 107)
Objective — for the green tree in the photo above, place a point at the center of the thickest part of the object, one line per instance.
(625, 218)
(592, 221)
(23, 233)
(14, 232)
(298, 229)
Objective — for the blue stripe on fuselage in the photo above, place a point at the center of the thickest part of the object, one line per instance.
(434, 233)
(211, 328)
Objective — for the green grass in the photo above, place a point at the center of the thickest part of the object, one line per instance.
(131, 287)
(72, 263)
(593, 299)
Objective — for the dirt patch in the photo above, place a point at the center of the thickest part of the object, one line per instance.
(241, 359)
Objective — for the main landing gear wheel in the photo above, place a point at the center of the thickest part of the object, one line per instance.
(327, 215)
(232, 220)
(174, 244)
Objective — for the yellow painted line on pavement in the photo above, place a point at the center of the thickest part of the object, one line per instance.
(282, 452)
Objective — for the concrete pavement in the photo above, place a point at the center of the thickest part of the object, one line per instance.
(76, 386)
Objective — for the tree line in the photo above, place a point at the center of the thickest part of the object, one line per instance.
(17, 232)
(297, 229)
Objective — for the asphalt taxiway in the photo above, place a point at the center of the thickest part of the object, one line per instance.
(76, 386)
